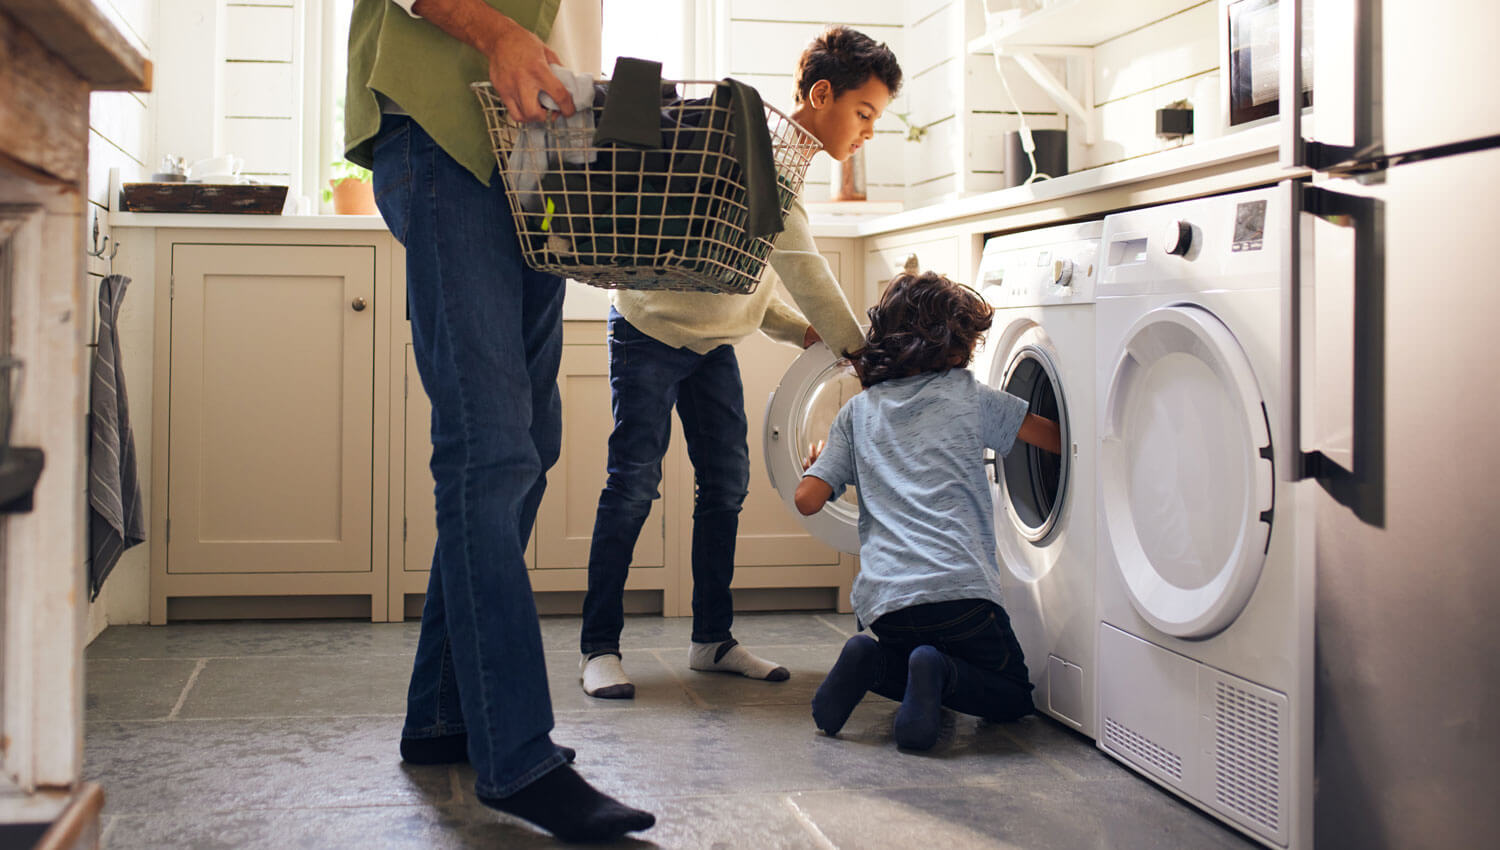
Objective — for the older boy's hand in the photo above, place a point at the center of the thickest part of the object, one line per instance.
(810, 337)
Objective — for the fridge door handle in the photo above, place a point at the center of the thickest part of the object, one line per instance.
(1362, 488)
(1293, 152)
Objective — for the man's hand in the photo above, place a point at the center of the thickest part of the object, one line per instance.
(810, 337)
(518, 59)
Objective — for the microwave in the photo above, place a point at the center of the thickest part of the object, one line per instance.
(1250, 36)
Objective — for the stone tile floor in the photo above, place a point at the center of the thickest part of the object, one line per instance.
(283, 735)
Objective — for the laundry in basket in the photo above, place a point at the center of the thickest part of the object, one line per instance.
(676, 214)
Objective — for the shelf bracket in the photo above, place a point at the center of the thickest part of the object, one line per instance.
(1028, 57)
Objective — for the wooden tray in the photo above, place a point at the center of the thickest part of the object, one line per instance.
(202, 198)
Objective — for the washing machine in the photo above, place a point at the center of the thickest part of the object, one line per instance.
(1205, 582)
(1040, 347)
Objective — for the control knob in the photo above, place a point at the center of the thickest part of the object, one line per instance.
(1179, 238)
(1062, 272)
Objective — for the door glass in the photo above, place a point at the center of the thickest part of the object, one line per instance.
(828, 394)
(1035, 480)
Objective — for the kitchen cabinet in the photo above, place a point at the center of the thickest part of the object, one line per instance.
(264, 478)
(933, 249)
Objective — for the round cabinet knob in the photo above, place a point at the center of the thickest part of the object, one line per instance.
(1062, 272)
(358, 304)
(911, 266)
(1179, 238)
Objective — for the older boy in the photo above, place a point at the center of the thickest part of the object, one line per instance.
(677, 349)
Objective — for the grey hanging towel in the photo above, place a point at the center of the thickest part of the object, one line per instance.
(116, 522)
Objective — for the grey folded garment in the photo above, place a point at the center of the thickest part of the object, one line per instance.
(116, 519)
(569, 137)
(632, 114)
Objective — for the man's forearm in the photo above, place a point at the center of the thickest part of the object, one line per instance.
(471, 21)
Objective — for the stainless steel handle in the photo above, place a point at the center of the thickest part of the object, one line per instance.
(1293, 152)
(1362, 488)
(358, 304)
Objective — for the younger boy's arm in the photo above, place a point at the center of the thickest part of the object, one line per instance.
(1041, 432)
(812, 494)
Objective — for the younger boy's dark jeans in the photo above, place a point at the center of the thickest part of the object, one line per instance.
(986, 670)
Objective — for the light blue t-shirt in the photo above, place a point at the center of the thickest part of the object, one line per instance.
(914, 448)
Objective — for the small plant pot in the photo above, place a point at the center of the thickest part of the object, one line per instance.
(352, 196)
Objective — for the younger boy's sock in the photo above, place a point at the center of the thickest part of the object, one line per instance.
(729, 657)
(566, 805)
(450, 749)
(851, 677)
(919, 719)
(604, 678)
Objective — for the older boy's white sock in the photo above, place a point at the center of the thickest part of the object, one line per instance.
(729, 657)
(603, 677)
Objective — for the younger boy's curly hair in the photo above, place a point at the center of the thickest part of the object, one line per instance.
(923, 323)
(846, 58)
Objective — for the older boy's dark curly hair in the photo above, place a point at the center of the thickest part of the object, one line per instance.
(923, 323)
(846, 58)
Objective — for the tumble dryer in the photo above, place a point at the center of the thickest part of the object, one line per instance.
(1205, 583)
(1040, 347)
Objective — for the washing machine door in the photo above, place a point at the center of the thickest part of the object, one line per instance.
(799, 413)
(1033, 484)
(1186, 474)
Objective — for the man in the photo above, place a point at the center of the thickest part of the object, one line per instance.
(487, 335)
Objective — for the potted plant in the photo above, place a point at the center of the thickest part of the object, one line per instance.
(350, 189)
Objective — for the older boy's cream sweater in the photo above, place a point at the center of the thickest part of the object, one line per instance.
(702, 321)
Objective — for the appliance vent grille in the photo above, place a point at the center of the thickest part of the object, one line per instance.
(1247, 770)
(1144, 749)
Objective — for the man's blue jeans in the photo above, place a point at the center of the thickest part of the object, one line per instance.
(647, 378)
(487, 335)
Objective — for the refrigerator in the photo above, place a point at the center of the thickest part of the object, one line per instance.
(1392, 350)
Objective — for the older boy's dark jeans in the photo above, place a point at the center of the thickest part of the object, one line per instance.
(487, 339)
(647, 378)
(986, 670)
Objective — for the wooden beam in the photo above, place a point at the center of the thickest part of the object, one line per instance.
(83, 38)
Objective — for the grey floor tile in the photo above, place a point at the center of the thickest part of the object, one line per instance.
(256, 637)
(1117, 814)
(299, 686)
(1074, 754)
(120, 689)
(388, 828)
(769, 749)
(198, 768)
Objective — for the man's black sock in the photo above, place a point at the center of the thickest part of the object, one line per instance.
(566, 805)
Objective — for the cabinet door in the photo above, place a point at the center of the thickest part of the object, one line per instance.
(565, 521)
(272, 373)
(886, 261)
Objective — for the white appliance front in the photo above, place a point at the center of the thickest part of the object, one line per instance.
(1205, 570)
(1040, 347)
(799, 413)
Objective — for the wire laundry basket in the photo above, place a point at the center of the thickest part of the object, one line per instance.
(618, 217)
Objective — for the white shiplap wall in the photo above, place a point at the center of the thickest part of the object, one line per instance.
(958, 96)
(121, 134)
